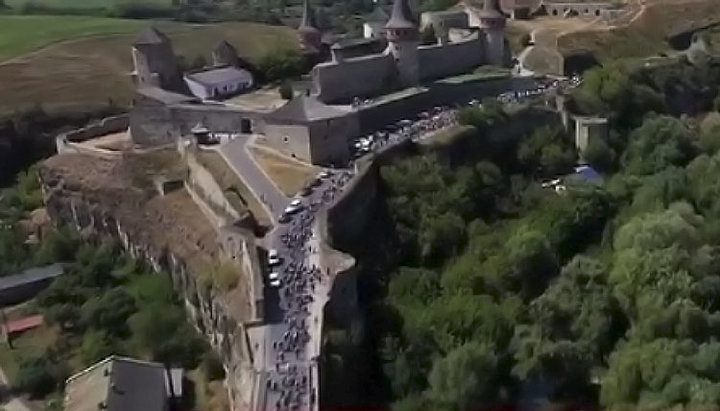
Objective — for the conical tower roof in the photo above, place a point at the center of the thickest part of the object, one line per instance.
(308, 21)
(491, 10)
(401, 17)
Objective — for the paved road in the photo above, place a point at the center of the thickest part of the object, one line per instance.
(236, 154)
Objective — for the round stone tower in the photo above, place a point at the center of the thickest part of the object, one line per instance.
(308, 31)
(492, 20)
(403, 40)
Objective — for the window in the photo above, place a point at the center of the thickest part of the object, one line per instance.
(285, 139)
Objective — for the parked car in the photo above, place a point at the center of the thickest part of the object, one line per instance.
(273, 258)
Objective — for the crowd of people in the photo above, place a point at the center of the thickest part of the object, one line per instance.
(299, 278)
(425, 123)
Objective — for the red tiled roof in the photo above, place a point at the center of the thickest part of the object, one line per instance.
(23, 324)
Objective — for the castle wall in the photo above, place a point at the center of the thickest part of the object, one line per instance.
(152, 125)
(107, 125)
(292, 140)
(330, 139)
(203, 184)
(359, 77)
(450, 59)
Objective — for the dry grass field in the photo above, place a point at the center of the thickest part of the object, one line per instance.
(648, 33)
(85, 73)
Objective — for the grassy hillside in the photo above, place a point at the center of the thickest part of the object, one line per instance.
(77, 4)
(21, 34)
(86, 72)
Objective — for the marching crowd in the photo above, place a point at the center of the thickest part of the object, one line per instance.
(290, 380)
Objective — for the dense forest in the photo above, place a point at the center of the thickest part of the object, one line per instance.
(488, 290)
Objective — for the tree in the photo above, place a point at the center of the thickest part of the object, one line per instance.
(661, 141)
(465, 378)
(162, 331)
(281, 64)
(547, 149)
(96, 345)
(599, 154)
(110, 312)
(533, 261)
(36, 377)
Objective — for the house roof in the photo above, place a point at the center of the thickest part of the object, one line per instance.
(151, 35)
(221, 75)
(165, 96)
(401, 16)
(31, 275)
(119, 384)
(304, 110)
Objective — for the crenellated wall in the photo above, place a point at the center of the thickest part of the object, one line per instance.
(442, 60)
(357, 77)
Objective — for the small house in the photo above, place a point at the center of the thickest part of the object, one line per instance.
(219, 82)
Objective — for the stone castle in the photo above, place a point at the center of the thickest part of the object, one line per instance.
(391, 72)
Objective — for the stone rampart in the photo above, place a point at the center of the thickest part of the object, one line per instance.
(70, 142)
(442, 60)
(201, 181)
(358, 77)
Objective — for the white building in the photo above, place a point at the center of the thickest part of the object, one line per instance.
(218, 82)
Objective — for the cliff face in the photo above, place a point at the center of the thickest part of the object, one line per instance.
(168, 232)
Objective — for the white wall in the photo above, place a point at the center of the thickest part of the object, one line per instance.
(224, 89)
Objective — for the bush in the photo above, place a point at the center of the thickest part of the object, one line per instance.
(36, 377)
(281, 64)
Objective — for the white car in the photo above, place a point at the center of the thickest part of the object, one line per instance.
(274, 276)
(275, 283)
(296, 203)
(324, 174)
(273, 258)
(291, 209)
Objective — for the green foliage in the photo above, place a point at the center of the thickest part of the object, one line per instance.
(281, 64)
(549, 150)
(660, 142)
(488, 114)
(463, 380)
(636, 307)
(109, 312)
(167, 337)
(96, 345)
(600, 155)
(37, 377)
